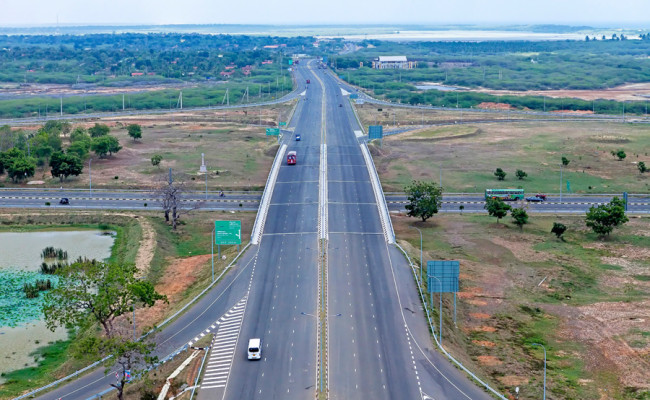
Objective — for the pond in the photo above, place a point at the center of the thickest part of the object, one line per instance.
(20, 259)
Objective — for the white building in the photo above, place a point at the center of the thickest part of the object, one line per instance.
(393, 62)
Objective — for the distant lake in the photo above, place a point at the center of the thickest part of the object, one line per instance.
(460, 35)
(442, 88)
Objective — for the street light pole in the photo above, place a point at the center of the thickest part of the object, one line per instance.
(421, 269)
(439, 310)
(542, 346)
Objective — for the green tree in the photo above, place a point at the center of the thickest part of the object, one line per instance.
(135, 131)
(424, 199)
(156, 159)
(129, 356)
(558, 229)
(520, 217)
(500, 174)
(520, 174)
(8, 157)
(104, 145)
(565, 161)
(621, 155)
(92, 291)
(79, 134)
(642, 167)
(99, 130)
(604, 218)
(497, 208)
(80, 149)
(63, 165)
(21, 168)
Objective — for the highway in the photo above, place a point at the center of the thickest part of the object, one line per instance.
(325, 256)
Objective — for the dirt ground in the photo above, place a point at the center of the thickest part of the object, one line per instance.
(238, 154)
(523, 287)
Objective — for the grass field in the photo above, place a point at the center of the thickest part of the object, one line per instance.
(590, 311)
(467, 155)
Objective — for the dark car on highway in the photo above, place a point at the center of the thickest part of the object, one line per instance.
(64, 201)
(534, 199)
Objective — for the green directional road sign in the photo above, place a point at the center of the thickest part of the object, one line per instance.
(227, 232)
(375, 132)
(290, 62)
(272, 131)
(282, 123)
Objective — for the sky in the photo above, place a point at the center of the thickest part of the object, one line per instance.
(608, 13)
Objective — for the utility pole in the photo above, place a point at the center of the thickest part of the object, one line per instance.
(122, 101)
(61, 112)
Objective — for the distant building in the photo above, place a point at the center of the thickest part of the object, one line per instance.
(393, 62)
(137, 73)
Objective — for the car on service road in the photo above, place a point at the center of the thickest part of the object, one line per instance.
(64, 201)
(297, 137)
(534, 199)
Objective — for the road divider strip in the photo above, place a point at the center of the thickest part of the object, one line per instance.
(384, 216)
(260, 219)
(322, 188)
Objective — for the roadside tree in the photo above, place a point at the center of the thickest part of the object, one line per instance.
(565, 161)
(21, 168)
(558, 229)
(92, 291)
(497, 208)
(520, 174)
(604, 218)
(135, 131)
(500, 174)
(424, 199)
(63, 165)
(520, 217)
(99, 130)
(642, 168)
(170, 195)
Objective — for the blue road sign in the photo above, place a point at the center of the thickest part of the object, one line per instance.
(446, 273)
(375, 132)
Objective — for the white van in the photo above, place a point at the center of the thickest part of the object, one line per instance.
(254, 349)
